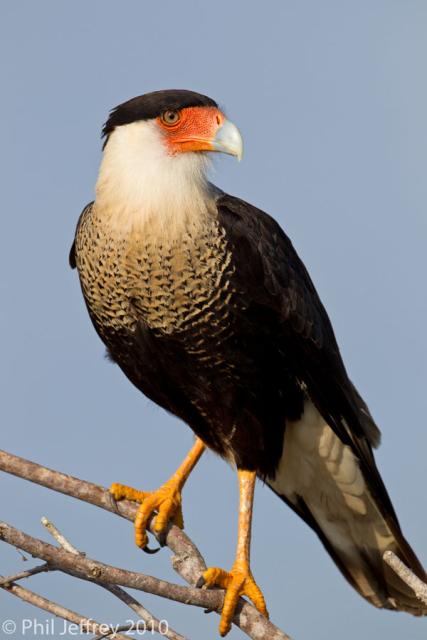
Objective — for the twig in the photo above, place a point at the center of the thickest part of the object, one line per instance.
(145, 615)
(418, 586)
(85, 624)
(124, 627)
(152, 623)
(92, 570)
(187, 560)
(7, 581)
(60, 538)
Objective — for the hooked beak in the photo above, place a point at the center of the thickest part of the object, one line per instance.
(206, 129)
(228, 140)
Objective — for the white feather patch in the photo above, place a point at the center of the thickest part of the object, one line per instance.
(325, 473)
(141, 184)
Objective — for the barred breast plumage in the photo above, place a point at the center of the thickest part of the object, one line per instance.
(179, 286)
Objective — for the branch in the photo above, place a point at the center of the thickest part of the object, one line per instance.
(83, 622)
(7, 581)
(418, 586)
(121, 594)
(187, 560)
(92, 570)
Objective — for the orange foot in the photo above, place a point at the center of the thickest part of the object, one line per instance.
(165, 502)
(237, 582)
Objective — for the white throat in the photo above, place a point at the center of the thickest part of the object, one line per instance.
(141, 184)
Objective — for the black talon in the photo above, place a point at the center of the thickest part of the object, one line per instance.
(150, 551)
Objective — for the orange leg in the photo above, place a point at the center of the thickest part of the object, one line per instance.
(166, 500)
(239, 581)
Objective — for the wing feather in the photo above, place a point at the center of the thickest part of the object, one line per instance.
(280, 281)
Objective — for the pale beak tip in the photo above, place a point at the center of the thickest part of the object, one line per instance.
(229, 140)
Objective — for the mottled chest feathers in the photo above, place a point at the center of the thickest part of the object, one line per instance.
(172, 285)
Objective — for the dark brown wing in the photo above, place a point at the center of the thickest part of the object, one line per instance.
(278, 279)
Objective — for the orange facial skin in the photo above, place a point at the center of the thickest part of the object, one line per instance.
(194, 131)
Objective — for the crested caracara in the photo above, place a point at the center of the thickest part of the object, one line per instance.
(202, 301)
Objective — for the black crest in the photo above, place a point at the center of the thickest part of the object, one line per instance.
(151, 105)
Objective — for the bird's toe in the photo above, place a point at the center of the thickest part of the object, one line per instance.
(237, 582)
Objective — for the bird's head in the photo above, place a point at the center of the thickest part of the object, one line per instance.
(182, 121)
(155, 153)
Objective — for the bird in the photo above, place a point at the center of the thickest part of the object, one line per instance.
(202, 301)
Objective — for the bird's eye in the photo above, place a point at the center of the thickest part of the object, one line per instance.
(170, 117)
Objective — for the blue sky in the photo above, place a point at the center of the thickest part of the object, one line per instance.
(331, 100)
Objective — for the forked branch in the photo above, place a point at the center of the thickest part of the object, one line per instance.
(187, 560)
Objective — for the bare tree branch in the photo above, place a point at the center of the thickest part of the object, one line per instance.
(418, 586)
(187, 560)
(92, 570)
(153, 624)
(59, 537)
(7, 581)
(83, 622)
